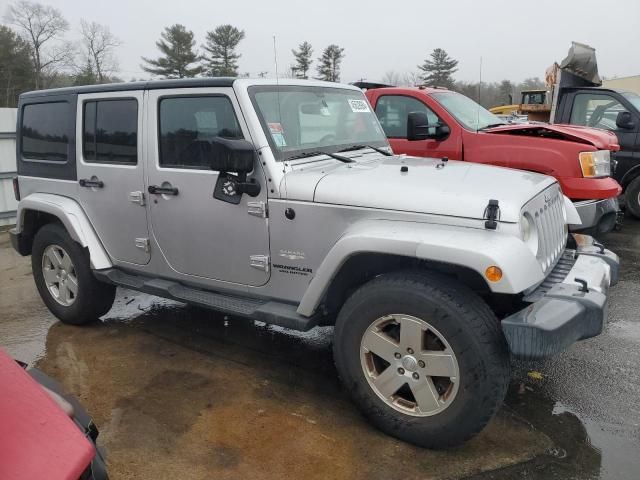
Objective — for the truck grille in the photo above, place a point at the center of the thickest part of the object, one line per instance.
(547, 212)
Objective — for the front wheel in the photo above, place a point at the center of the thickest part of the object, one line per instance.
(632, 197)
(64, 278)
(423, 357)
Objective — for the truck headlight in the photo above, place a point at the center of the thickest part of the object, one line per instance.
(529, 232)
(595, 164)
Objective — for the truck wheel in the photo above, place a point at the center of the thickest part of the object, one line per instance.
(64, 279)
(423, 358)
(632, 197)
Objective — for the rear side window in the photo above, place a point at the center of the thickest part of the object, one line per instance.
(189, 124)
(45, 131)
(110, 131)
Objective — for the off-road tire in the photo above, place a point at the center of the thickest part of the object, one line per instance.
(93, 299)
(469, 326)
(631, 197)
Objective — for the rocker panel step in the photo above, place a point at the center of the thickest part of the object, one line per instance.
(277, 313)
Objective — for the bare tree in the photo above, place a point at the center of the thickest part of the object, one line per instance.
(99, 44)
(411, 79)
(391, 77)
(42, 26)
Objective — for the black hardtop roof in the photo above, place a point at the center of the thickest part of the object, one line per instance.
(144, 85)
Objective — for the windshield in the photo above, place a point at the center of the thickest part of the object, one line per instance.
(471, 115)
(633, 98)
(308, 119)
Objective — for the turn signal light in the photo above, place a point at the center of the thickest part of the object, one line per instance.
(493, 273)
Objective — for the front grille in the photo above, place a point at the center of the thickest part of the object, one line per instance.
(547, 212)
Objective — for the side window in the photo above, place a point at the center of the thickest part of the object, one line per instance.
(393, 110)
(187, 127)
(110, 131)
(45, 131)
(595, 110)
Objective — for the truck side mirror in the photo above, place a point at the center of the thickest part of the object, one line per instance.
(625, 121)
(418, 126)
(229, 155)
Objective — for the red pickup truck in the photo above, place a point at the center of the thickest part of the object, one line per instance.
(435, 122)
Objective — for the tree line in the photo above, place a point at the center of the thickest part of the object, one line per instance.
(35, 53)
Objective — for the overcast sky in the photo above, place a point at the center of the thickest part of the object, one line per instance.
(515, 39)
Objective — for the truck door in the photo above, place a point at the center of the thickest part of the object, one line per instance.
(392, 111)
(593, 108)
(197, 234)
(110, 172)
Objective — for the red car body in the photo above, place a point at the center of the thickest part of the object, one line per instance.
(548, 149)
(38, 439)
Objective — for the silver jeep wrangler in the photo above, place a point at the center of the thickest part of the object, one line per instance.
(282, 202)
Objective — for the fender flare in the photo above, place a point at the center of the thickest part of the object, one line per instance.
(468, 247)
(73, 218)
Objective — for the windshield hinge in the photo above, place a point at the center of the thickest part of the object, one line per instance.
(492, 215)
(257, 209)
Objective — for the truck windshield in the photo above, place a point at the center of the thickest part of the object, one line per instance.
(471, 115)
(304, 121)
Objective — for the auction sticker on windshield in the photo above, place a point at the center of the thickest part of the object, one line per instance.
(358, 106)
(277, 133)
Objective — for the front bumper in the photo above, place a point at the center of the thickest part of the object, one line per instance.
(598, 216)
(570, 305)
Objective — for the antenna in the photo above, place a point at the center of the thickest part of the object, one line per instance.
(479, 97)
(275, 61)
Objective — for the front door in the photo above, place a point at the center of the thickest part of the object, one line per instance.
(110, 172)
(197, 234)
(393, 111)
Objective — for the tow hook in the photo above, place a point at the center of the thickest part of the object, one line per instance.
(583, 285)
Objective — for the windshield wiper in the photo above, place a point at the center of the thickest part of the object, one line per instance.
(360, 147)
(491, 125)
(315, 154)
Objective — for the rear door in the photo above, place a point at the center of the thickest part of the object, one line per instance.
(109, 149)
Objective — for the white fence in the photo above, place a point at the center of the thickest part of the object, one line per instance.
(8, 202)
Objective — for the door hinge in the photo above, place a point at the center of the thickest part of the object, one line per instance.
(261, 262)
(143, 244)
(257, 209)
(137, 197)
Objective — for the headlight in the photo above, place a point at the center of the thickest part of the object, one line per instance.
(595, 164)
(529, 233)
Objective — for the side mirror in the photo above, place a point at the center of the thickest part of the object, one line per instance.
(229, 155)
(419, 128)
(625, 121)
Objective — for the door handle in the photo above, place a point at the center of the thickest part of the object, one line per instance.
(162, 190)
(91, 183)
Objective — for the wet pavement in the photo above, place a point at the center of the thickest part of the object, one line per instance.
(180, 392)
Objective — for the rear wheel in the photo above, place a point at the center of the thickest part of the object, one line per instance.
(64, 278)
(423, 357)
(632, 197)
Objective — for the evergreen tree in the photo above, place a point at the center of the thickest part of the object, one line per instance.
(506, 92)
(303, 59)
(87, 75)
(16, 67)
(439, 69)
(329, 66)
(176, 45)
(221, 59)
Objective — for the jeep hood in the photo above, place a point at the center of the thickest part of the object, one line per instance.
(601, 139)
(457, 189)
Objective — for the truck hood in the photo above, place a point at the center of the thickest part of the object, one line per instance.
(456, 189)
(601, 139)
